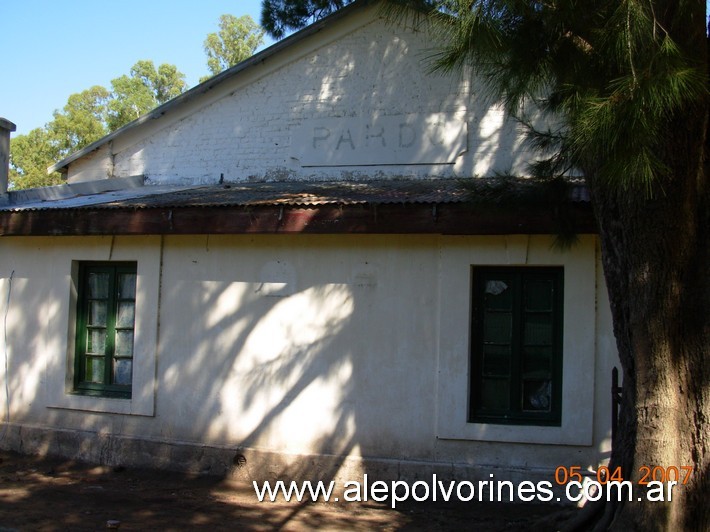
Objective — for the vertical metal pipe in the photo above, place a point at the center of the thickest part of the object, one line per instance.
(615, 400)
(6, 127)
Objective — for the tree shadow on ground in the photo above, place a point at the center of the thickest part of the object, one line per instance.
(55, 494)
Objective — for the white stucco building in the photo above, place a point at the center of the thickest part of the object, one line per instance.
(283, 264)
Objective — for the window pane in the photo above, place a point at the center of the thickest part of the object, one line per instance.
(495, 394)
(97, 313)
(538, 329)
(537, 351)
(126, 314)
(95, 369)
(499, 295)
(536, 365)
(96, 341)
(497, 327)
(98, 285)
(124, 343)
(122, 369)
(537, 395)
(496, 360)
(538, 294)
(127, 286)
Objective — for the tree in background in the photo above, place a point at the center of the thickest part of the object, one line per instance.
(628, 79)
(88, 116)
(279, 17)
(30, 155)
(93, 113)
(81, 122)
(236, 40)
(143, 90)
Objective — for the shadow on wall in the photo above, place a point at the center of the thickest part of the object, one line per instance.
(28, 303)
(289, 345)
(290, 350)
(252, 353)
(364, 83)
(377, 77)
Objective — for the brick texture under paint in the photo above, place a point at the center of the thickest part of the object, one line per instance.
(373, 71)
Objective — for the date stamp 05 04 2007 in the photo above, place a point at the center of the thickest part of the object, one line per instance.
(679, 474)
(653, 478)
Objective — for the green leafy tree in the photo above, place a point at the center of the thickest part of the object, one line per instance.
(628, 81)
(81, 121)
(279, 17)
(141, 91)
(88, 116)
(236, 40)
(30, 156)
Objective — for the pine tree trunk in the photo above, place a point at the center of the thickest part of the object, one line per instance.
(656, 258)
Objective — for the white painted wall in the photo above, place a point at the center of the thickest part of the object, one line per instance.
(345, 345)
(364, 79)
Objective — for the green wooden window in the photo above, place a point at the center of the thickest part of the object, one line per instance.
(516, 346)
(105, 326)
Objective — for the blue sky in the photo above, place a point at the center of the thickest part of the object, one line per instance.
(50, 49)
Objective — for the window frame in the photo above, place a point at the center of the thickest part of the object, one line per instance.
(81, 385)
(515, 413)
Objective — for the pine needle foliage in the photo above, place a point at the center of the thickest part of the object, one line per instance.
(279, 17)
(609, 70)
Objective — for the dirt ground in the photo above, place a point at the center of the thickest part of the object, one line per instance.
(55, 494)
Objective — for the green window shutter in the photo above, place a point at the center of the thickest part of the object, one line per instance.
(516, 345)
(105, 328)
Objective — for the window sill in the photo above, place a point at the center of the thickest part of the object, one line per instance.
(106, 394)
(109, 405)
(564, 435)
(516, 421)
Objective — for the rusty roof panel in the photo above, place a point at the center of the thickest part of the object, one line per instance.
(306, 194)
(299, 193)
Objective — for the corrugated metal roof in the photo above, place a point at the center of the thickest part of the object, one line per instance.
(299, 193)
(305, 193)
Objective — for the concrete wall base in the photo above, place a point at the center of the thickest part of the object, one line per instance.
(248, 464)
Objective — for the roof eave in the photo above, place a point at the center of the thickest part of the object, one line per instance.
(367, 218)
